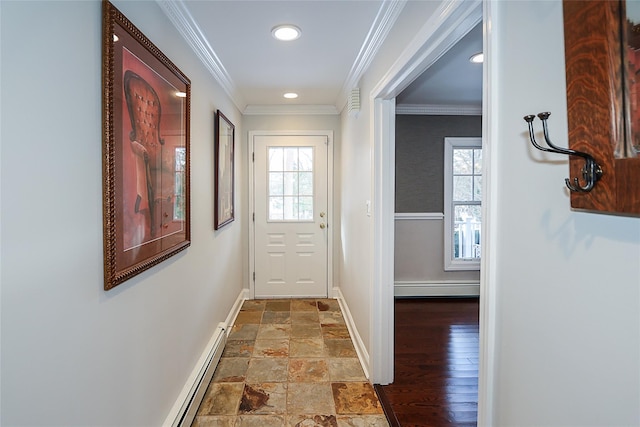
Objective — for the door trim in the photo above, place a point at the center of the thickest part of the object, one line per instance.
(252, 246)
(448, 24)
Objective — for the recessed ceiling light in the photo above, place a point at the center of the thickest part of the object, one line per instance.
(286, 32)
(290, 95)
(478, 58)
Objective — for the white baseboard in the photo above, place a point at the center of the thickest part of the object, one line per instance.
(436, 288)
(235, 310)
(188, 401)
(361, 350)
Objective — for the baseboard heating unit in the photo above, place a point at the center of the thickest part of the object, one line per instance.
(182, 414)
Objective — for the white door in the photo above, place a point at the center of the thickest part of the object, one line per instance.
(290, 206)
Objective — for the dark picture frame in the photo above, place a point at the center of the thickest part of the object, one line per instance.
(224, 169)
(145, 152)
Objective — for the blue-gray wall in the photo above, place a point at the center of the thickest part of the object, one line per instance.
(420, 158)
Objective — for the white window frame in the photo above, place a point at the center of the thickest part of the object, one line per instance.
(450, 263)
(297, 195)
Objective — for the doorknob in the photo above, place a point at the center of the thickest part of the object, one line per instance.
(322, 225)
(322, 214)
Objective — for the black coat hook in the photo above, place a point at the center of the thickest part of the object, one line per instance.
(591, 172)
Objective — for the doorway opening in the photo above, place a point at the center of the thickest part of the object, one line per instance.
(428, 46)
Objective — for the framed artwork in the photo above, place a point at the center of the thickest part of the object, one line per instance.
(224, 145)
(145, 152)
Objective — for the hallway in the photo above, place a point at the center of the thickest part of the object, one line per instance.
(290, 363)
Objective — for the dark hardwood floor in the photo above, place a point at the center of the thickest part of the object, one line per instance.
(436, 363)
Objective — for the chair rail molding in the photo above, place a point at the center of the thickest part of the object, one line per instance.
(402, 216)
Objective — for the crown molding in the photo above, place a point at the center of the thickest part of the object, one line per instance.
(183, 21)
(385, 18)
(451, 21)
(290, 110)
(439, 110)
(181, 18)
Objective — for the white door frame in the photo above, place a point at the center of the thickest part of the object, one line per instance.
(330, 223)
(448, 25)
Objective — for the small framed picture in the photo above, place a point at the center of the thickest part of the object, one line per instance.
(224, 170)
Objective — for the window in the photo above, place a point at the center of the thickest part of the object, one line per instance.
(179, 184)
(290, 183)
(462, 203)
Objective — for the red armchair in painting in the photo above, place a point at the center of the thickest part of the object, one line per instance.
(153, 160)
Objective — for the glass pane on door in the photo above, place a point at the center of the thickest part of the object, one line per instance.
(290, 184)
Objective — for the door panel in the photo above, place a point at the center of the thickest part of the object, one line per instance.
(290, 202)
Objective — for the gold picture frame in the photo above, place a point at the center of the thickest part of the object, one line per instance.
(146, 157)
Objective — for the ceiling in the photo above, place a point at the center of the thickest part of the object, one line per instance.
(338, 39)
(453, 80)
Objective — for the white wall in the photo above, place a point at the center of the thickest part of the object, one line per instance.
(356, 173)
(355, 232)
(73, 354)
(566, 284)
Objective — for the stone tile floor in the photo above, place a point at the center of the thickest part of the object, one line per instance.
(290, 363)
